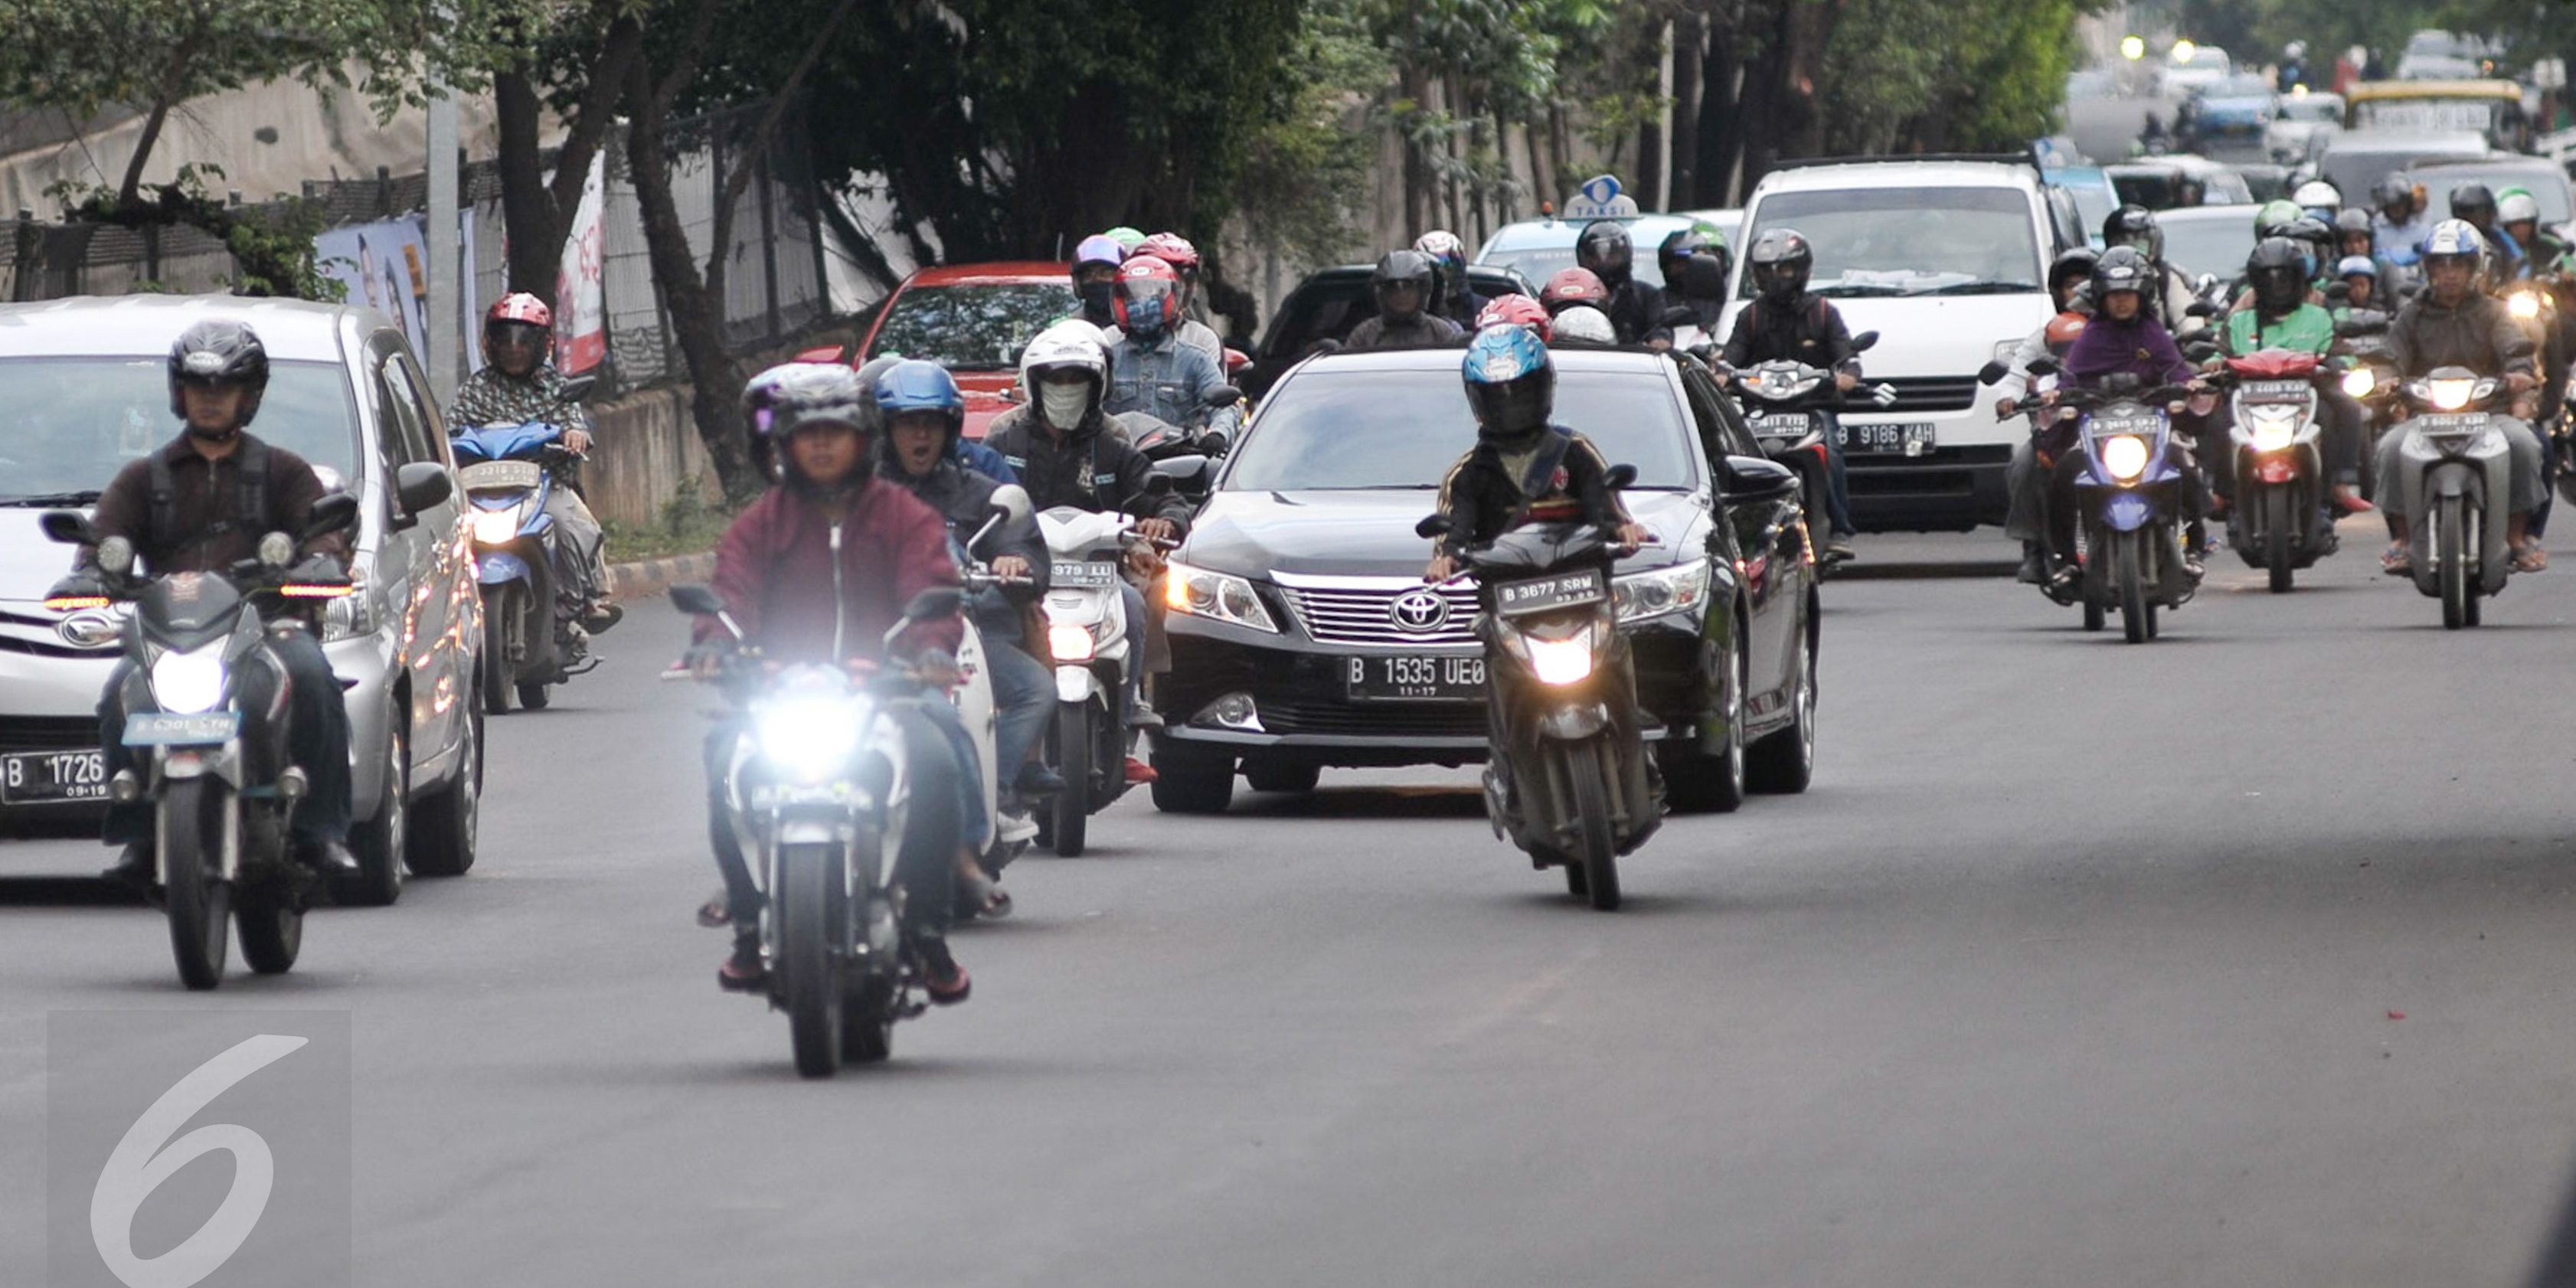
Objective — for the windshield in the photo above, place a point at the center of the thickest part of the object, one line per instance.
(972, 328)
(2240, 87)
(1330, 430)
(2214, 246)
(1909, 241)
(2546, 187)
(72, 423)
(2093, 203)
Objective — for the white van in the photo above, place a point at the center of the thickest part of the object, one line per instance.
(1947, 260)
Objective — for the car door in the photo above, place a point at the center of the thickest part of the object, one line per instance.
(421, 550)
(1767, 540)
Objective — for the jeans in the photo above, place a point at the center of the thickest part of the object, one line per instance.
(1131, 604)
(1024, 697)
(317, 739)
(974, 828)
(1837, 479)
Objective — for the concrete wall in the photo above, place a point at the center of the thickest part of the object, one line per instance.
(646, 448)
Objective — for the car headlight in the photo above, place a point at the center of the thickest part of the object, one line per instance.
(1069, 642)
(1677, 589)
(2125, 455)
(2451, 395)
(1215, 595)
(187, 683)
(809, 741)
(496, 527)
(2005, 349)
(351, 616)
(2273, 426)
(2524, 305)
(2360, 382)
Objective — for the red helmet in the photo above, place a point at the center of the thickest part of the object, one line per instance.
(519, 306)
(1571, 287)
(1515, 310)
(516, 315)
(1172, 249)
(1149, 296)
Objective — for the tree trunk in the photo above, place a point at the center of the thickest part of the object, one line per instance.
(131, 189)
(1690, 45)
(715, 381)
(534, 233)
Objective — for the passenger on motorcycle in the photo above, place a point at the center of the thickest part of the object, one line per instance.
(201, 503)
(1696, 263)
(2122, 339)
(1095, 277)
(1569, 287)
(1524, 468)
(1066, 457)
(2474, 205)
(1457, 298)
(1156, 372)
(2320, 199)
(2519, 214)
(2169, 303)
(1635, 309)
(2399, 228)
(817, 571)
(978, 458)
(2069, 280)
(2453, 323)
(2360, 277)
(1585, 326)
(519, 385)
(2279, 316)
(1404, 285)
(1787, 321)
(1176, 250)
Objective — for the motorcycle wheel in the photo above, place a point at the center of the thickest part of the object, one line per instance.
(497, 671)
(2128, 572)
(198, 901)
(1073, 741)
(1589, 774)
(272, 932)
(2276, 542)
(808, 956)
(2451, 528)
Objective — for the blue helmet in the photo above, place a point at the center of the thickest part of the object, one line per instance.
(2358, 266)
(917, 384)
(1511, 385)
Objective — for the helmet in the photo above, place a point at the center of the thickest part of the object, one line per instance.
(1149, 297)
(2358, 266)
(1572, 286)
(2454, 239)
(2316, 236)
(2471, 201)
(1126, 236)
(1448, 256)
(2121, 268)
(2517, 205)
(1583, 324)
(2317, 194)
(1782, 259)
(2294, 51)
(2352, 220)
(793, 396)
(1514, 310)
(2134, 226)
(1099, 248)
(1511, 385)
(2273, 216)
(1605, 249)
(920, 385)
(1175, 250)
(1402, 268)
(2062, 330)
(2077, 264)
(2393, 191)
(219, 351)
(1071, 346)
(1680, 244)
(2278, 271)
(514, 314)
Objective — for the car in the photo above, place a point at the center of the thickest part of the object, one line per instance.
(2190, 68)
(2233, 114)
(1946, 260)
(1303, 636)
(2356, 160)
(2095, 197)
(2547, 182)
(86, 379)
(974, 319)
(2303, 116)
(1332, 301)
(2208, 239)
(1539, 249)
(2156, 182)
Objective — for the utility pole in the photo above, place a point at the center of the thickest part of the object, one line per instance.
(441, 318)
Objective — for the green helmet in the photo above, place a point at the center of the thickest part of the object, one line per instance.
(1125, 236)
(2274, 216)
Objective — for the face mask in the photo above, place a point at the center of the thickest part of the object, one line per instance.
(1095, 302)
(1702, 278)
(1064, 405)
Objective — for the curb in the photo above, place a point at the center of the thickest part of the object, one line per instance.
(655, 576)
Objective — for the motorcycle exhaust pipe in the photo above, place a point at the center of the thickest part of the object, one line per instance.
(126, 788)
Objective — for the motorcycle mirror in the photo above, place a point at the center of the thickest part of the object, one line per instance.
(2338, 292)
(2048, 367)
(1157, 484)
(2202, 309)
(696, 601)
(422, 485)
(2204, 284)
(1679, 315)
(1991, 373)
(68, 527)
(1433, 527)
(934, 603)
(116, 556)
(2202, 351)
(1864, 341)
(1223, 396)
(1237, 357)
(578, 388)
(1620, 476)
(1013, 502)
(331, 514)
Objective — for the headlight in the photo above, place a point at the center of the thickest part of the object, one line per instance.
(1783, 388)
(1219, 596)
(1560, 661)
(496, 527)
(1068, 642)
(2274, 426)
(2451, 395)
(1677, 589)
(2360, 382)
(2005, 349)
(2524, 305)
(810, 740)
(2125, 455)
(349, 617)
(188, 683)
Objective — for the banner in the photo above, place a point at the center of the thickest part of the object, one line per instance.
(385, 265)
(581, 316)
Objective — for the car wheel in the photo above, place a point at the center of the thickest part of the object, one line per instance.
(1696, 782)
(1273, 776)
(381, 842)
(445, 840)
(1785, 761)
(1191, 787)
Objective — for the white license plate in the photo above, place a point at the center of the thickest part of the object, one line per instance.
(164, 729)
(1071, 574)
(1793, 423)
(1548, 594)
(1902, 440)
(501, 476)
(53, 777)
(1415, 679)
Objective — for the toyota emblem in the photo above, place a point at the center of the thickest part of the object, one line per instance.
(88, 629)
(1419, 612)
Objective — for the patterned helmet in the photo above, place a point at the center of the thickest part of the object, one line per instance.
(1511, 384)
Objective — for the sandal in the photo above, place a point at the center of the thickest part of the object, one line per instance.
(2398, 562)
(2531, 558)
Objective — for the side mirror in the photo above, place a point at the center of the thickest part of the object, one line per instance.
(68, 527)
(578, 388)
(2204, 284)
(1619, 477)
(422, 485)
(334, 513)
(1237, 358)
(2201, 351)
(2202, 309)
(1223, 396)
(1157, 485)
(1864, 341)
(1757, 478)
(1433, 527)
(1992, 373)
(1012, 502)
(1679, 315)
(935, 603)
(2048, 367)
(696, 601)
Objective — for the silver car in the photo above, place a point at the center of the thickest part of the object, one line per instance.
(83, 390)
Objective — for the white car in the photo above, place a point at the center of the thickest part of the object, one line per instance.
(1947, 261)
(2206, 66)
(2298, 130)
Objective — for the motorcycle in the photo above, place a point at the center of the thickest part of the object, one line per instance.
(1567, 782)
(531, 640)
(2129, 501)
(2279, 521)
(1789, 404)
(215, 772)
(2453, 467)
(1087, 638)
(1190, 458)
(974, 694)
(820, 795)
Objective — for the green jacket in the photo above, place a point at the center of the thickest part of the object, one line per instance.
(2307, 328)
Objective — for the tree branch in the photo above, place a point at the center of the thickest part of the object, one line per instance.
(598, 109)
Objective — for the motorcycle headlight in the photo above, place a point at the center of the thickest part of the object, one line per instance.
(2524, 305)
(2360, 382)
(2450, 395)
(187, 683)
(2125, 455)
(1215, 595)
(1677, 589)
(2272, 426)
(809, 741)
(1564, 661)
(1069, 642)
(496, 527)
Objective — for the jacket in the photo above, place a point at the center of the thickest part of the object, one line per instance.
(1090, 469)
(488, 397)
(1488, 493)
(775, 572)
(1813, 334)
(1637, 313)
(2307, 328)
(1426, 331)
(1202, 337)
(964, 500)
(1168, 378)
(2476, 334)
(201, 524)
(2139, 347)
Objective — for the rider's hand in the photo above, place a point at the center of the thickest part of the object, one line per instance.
(1846, 381)
(1144, 559)
(1633, 534)
(1158, 529)
(2520, 382)
(1010, 566)
(1441, 568)
(1724, 376)
(936, 669)
(1660, 343)
(2006, 406)
(576, 441)
(707, 661)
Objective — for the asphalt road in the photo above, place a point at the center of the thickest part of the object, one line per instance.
(2082, 963)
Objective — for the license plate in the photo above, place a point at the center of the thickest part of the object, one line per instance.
(2277, 390)
(53, 777)
(2451, 424)
(1074, 574)
(1415, 679)
(1548, 594)
(163, 729)
(1792, 423)
(1902, 440)
(501, 476)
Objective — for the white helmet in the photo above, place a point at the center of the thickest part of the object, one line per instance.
(1582, 324)
(2454, 237)
(2516, 206)
(2317, 194)
(1069, 345)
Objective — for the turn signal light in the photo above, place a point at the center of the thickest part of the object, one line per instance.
(74, 603)
(297, 590)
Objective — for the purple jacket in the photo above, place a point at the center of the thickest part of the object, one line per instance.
(2141, 347)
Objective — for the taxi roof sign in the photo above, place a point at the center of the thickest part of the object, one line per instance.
(1600, 198)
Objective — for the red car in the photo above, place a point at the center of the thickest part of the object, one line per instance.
(974, 319)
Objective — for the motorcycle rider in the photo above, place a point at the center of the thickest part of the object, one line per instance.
(2518, 213)
(518, 385)
(2473, 204)
(1404, 285)
(2069, 279)
(1636, 309)
(2319, 199)
(1156, 372)
(1458, 300)
(1095, 277)
(797, 587)
(1696, 263)
(2124, 339)
(2280, 316)
(201, 503)
(1524, 467)
(2399, 229)
(1066, 457)
(2454, 323)
(1176, 250)
(2170, 302)
(1787, 321)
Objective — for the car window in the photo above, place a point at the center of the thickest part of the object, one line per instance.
(72, 423)
(1376, 429)
(2214, 246)
(1909, 241)
(972, 327)
(404, 431)
(1322, 310)
(1722, 428)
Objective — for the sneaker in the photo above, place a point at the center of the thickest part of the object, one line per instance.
(1013, 828)
(2034, 566)
(1146, 718)
(1139, 773)
(1839, 550)
(600, 616)
(2347, 501)
(1038, 780)
(743, 970)
(942, 977)
(2192, 567)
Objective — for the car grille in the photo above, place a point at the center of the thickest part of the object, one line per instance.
(1925, 393)
(48, 733)
(1375, 719)
(1362, 612)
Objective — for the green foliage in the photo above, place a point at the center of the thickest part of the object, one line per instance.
(272, 247)
(1307, 168)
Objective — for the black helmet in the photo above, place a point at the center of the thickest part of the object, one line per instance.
(2076, 264)
(2472, 202)
(219, 351)
(2319, 239)
(2393, 191)
(1781, 260)
(1605, 249)
(2135, 226)
(792, 396)
(1403, 268)
(2122, 268)
(2278, 273)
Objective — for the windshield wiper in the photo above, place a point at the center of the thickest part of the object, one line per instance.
(1985, 288)
(1861, 288)
(49, 498)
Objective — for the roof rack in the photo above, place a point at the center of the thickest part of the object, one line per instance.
(2030, 159)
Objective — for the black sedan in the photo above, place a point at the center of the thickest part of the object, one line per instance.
(1303, 636)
